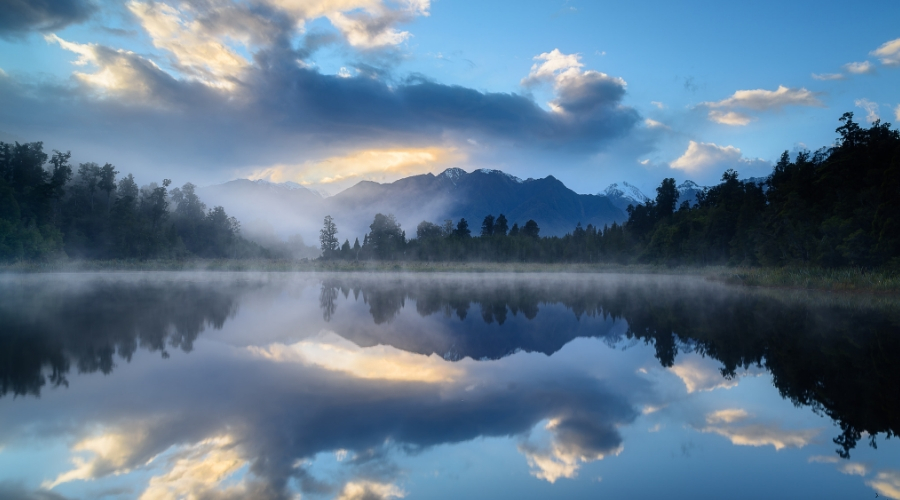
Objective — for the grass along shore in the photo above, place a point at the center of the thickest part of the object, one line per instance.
(843, 279)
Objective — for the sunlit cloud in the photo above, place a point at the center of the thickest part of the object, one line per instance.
(823, 459)
(369, 490)
(577, 91)
(704, 156)
(871, 109)
(724, 423)
(763, 100)
(332, 352)
(854, 469)
(198, 53)
(887, 484)
(726, 416)
(889, 53)
(897, 113)
(385, 165)
(197, 471)
(651, 123)
(117, 71)
(732, 118)
(828, 76)
(109, 453)
(860, 68)
(702, 374)
(567, 451)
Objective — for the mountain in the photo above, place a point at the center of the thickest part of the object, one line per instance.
(688, 190)
(624, 195)
(452, 194)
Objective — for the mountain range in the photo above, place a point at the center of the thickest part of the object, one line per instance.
(266, 209)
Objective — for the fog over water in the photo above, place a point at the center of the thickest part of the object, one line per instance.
(354, 385)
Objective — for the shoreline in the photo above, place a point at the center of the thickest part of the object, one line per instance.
(799, 278)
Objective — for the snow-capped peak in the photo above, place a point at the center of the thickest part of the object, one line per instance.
(453, 174)
(627, 191)
(500, 172)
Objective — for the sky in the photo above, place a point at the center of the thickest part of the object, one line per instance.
(330, 92)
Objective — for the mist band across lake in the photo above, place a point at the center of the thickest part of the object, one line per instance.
(243, 385)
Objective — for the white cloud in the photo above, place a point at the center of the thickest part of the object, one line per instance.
(828, 76)
(198, 53)
(117, 71)
(854, 469)
(651, 123)
(762, 100)
(823, 459)
(870, 107)
(333, 352)
(576, 90)
(897, 113)
(369, 490)
(732, 118)
(887, 484)
(699, 373)
(860, 68)
(722, 423)
(703, 156)
(110, 453)
(889, 53)
(198, 471)
(569, 448)
(658, 104)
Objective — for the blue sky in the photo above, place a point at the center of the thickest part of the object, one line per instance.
(330, 92)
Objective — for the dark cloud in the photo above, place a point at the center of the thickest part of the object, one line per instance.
(15, 491)
(19, 17)
(279, 110)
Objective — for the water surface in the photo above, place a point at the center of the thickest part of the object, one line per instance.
(352, 386)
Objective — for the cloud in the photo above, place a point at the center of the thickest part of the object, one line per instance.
(658, 104)
(897, 113)
(854, 469)
(889, 53)
(380, 165)
(651, 123)
(828, 76)
(723, 423)
(574, 440)
(871, 109)
(198, 470)
(704, 156)
(197, 52)
(369, 490)
(20, 17)
(729, 118)
(699, 373)
(764, 100)
(823, 459)
(887, 484)
(112, 453)
(579, 93)
(860, 68)
(333, 352)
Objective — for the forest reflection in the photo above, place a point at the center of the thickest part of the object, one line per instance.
(833, 353)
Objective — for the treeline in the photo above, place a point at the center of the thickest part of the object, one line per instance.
(49, 208)
(838, 206)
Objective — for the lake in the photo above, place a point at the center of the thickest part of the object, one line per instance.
(369, 386)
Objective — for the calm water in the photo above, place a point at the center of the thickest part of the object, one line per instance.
(219, 386)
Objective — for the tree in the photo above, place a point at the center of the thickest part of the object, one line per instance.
(462, 229)
(427, 230)
(501, 226)
(89, 176)
(666, 198)
(515, 229)
(487, 227)
(107, 182)
(328, 238)
(386, 238)
(531, 229)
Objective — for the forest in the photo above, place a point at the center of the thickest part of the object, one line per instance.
(86, 212)
(834, 207)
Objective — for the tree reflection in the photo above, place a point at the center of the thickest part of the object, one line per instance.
(831, 353)
(50, 327)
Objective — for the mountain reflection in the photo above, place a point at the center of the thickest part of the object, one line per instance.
(835, 354)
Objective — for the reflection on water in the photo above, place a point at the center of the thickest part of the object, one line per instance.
(385, 372)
